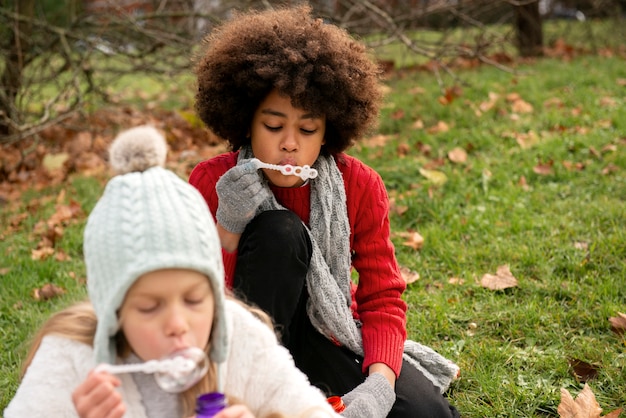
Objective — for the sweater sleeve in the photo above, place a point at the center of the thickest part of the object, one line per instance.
(58, 366)
(261, 373)
(204, 177)
(378, 296)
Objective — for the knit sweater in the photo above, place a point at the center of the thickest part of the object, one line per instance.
(377, 300)
(258, 371)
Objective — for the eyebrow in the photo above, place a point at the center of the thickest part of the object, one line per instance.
(280, 114)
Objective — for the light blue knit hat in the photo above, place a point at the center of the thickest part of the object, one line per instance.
(147, 219)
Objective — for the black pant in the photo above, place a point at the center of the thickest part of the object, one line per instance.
(273, 259)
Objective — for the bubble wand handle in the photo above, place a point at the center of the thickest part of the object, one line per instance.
(305, 172)
(173, 366)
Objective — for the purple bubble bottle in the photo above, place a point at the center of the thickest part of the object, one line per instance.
(209, 404)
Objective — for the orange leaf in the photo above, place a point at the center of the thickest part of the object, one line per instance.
(503, 279)
(441, 126)
(585, 405)
(544, 169)
(618, 323)
(409, 275)
(457, 155)
(47, 291)
(42, 254)
(413, 240)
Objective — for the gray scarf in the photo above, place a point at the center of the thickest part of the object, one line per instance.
(328, 280)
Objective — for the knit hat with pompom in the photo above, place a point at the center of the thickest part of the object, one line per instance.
(147, 219)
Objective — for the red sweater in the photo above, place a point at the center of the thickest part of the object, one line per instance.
(377, 300)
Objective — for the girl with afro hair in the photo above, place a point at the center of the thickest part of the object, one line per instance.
(304, 227)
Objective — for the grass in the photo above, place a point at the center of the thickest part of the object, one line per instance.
(562, 234)
(513, 346)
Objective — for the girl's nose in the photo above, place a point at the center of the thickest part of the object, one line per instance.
(176, 322)
(289, 142)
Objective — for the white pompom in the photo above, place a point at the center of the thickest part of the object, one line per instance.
(137, 149)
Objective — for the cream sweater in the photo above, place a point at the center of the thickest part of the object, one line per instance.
(258, 371)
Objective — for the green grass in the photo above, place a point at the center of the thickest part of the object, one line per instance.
(515, 360)
(513, 345)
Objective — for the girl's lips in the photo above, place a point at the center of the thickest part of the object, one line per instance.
(289, 161)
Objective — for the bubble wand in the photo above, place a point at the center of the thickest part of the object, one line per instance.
(305, 172)
(174, 373)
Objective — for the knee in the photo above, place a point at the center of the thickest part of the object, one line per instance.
(432, 406)
(280, 233)
(416, 396)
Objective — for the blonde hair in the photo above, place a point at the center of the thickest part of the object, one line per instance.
(78, 322)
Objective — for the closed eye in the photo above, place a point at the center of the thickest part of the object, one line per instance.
(194, 301)
(273, 128)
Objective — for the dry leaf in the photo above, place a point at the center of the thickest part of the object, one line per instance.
(412, 239)
(521, 106)
(409, 275)
(436, 177)
(583, 371)
(544, 169)
(42, 253)
(53, 162)
(457, 155)
(418, 124)
(585, 405)
(618, 323)
(503, 279)
(376, 141)
(403, 149)
(47, 291)
(441, 126)
(523, 183)
(485, 106)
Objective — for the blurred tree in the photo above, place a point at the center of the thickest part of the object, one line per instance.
(57, 54)
(529, 29)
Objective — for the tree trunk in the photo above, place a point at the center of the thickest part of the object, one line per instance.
(529, 30)
(11, 79)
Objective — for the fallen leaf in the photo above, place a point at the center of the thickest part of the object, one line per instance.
(457, 155)
(523, 183)
(42, 253)
(618, 323)
(53, 162)
(489, 104)
(376, 141)
(441, 126)
(585, 405)
(397, 115)
(437, 177)
(409, 275)
(581, 245)
(403, 149)
(418, 124)
(582, 370)
(503, 279)
(544, 169)
(47, 291)
(412, 239)
(610, 168)
(521, 106)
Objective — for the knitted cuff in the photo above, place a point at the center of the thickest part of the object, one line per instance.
(373, 398)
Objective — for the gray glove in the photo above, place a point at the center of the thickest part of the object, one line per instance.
(373, 398)
(240, 192)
